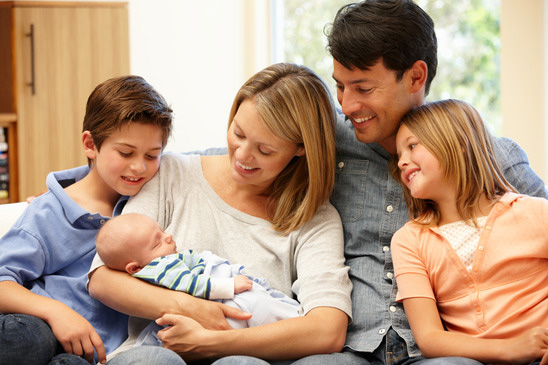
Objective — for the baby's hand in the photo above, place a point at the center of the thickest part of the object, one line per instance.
(242, 283)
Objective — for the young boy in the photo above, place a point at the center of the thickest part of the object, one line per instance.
(135, 243)
(46, 309)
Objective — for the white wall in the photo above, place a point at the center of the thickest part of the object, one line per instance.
(197, 54)
(524, 79)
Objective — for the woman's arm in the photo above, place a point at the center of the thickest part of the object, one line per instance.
(322, 330)
(74, 332)
(434, 341)
(132, 296)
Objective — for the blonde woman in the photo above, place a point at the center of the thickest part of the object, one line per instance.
(264, 205)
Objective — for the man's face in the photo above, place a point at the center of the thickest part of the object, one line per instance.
(374, 100)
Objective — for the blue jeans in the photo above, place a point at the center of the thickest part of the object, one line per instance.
(29, 340)
(392, 351)
(146, 355)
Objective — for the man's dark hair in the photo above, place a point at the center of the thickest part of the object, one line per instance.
(397, 31)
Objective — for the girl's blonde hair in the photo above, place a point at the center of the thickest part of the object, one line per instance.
(296, 106)
(453, 131)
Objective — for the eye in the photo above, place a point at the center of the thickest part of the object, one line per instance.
(152, 157)
(125, 154)
(265, 153)
(364, 91)
(412, 146)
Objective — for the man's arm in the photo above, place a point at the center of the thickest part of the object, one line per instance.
(514, 163)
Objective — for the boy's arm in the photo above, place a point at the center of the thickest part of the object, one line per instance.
(135, 297)
(72, 330)
(434, 341)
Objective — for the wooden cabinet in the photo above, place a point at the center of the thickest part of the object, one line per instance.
(52, 55)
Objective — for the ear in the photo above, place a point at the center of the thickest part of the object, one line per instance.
(89, 146)
(133, 267)
(300, 151)
(417, 74)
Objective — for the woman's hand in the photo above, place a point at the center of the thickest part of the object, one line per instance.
(182, 336)
(76, 334)
(212, 315)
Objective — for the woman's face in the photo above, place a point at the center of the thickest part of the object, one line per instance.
(257, 156)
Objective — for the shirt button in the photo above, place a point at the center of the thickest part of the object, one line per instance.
(382, 331)
(389, 209)
(386, 249)
(392, 309)
(340, 165)
(102, 221)
(389, 275)
(480, 248)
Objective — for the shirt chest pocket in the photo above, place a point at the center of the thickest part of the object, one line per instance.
(350, 188)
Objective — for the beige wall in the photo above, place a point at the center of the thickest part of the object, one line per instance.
(523, 78)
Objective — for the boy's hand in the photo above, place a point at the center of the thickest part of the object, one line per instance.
(76, 335)
(242, 283)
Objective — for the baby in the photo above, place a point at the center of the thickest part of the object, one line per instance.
(135, 243)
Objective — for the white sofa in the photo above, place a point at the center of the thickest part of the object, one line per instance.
(9, 214)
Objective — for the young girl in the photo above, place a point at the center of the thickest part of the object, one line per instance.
(475, 253)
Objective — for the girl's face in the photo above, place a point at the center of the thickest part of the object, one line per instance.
(420, 170)
(257, 156)
(128, 158)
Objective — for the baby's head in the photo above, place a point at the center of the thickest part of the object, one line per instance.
(130, 241)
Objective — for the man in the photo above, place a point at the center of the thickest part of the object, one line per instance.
(384, 59)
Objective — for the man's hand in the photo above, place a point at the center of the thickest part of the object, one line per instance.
(76, 335)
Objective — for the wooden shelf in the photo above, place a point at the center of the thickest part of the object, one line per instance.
(9, 121)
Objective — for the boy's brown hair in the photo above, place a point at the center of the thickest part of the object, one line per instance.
(121, 100)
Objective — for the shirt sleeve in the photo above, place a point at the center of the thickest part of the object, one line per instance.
(22, 257)
(409, 268)
(322, 276)
(514, 163)
(183, 272)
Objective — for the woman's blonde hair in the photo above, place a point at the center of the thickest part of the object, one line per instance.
(453, 131)
(296, 106)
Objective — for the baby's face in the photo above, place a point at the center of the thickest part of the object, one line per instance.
(154, 241)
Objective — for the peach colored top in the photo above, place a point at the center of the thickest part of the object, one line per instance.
(506, 292)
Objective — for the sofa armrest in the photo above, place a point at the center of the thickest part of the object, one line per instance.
(9, 214)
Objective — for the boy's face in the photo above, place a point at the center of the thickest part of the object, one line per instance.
(374, 100)
(129, 157)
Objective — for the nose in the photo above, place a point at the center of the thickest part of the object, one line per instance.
(138, 166)
(243, 152)
(402, 161)
(168, 238)
(349, 102)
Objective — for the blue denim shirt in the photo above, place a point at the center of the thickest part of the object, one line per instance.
(372, 208)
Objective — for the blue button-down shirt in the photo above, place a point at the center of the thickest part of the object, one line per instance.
(372, 208)
(50, 248)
